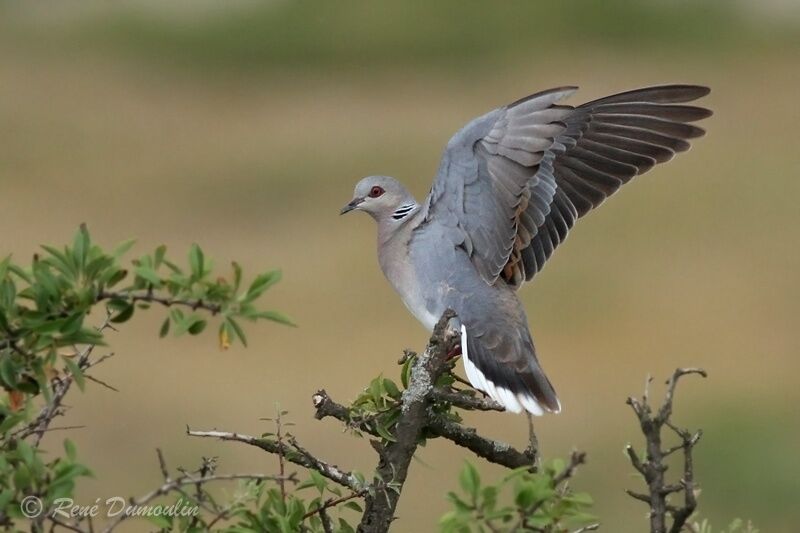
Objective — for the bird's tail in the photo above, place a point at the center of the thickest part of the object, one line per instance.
(507, 370)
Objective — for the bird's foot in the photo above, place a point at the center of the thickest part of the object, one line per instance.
(454, 352)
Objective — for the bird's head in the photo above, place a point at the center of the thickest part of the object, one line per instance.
(382, 197)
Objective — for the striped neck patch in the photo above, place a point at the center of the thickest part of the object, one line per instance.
(402, 211)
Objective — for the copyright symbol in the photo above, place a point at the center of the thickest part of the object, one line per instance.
(31, 506)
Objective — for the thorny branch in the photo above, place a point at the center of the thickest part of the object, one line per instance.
(39, 426)
(653, 467)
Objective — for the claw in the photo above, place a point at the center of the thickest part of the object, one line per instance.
(454, 352)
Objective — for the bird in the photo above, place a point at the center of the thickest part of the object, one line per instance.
(510, 186)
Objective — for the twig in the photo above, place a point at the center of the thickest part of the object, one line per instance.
(38, 426)
(491, 450)
(149, 297)
(465, 401)
(332, 472)
(575, 460)
(281, 460)
(333, 502)
(65, 525)
(185, 480)
(653, 466)
(101, 382)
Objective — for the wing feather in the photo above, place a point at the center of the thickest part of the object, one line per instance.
(513, 182)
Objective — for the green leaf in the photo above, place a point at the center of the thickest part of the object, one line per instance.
(234, 326)
(4, 268)
(148, 274)
(80, 247)
(237, 276)
(76, 372)
(10, 421)
(20, 273)
(73, 323)
(196, 260)
(60, 262)
(344, 527)
(376, 389)
(164, 328)
(391, 388)
(405, 373)
(160, 520)
(470, 480)
(22, 477)
(158, 256)
(262, 283)
(275, 316)
(354, 506)
(384, 432)
(26, 452)
(114, 276)
(124, 314)
(197, 327)
(524, 496)
(8, 372)
(318, 481)
(69, 448)
(122, 248)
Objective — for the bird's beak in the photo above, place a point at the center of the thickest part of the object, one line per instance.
(354, 203)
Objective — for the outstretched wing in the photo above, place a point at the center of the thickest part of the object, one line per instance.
(513, 182)
(606, 143)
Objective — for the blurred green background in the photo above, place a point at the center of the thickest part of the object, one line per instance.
(243, 126)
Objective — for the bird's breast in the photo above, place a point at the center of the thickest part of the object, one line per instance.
(416, 292)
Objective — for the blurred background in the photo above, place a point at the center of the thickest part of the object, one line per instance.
(244, 125)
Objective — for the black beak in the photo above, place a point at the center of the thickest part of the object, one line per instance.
(355, 202)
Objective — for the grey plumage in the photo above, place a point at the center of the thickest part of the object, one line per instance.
(510, 186)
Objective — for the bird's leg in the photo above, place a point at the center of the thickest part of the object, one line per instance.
(533, 442)
(453, 337)
(454, 352)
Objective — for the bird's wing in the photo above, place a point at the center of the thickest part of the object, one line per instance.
(490, 177)
(513, 182)
(606, 143)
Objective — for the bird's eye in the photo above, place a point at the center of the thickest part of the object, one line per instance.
(375, 192)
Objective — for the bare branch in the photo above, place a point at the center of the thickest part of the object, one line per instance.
(653, 468)
(492, 450)
(332, 472)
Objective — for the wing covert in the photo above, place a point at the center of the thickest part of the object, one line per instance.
(491, 176)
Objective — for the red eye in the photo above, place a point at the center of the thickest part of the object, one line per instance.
(375, 192)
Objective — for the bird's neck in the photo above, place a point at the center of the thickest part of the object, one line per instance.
(391, 223)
